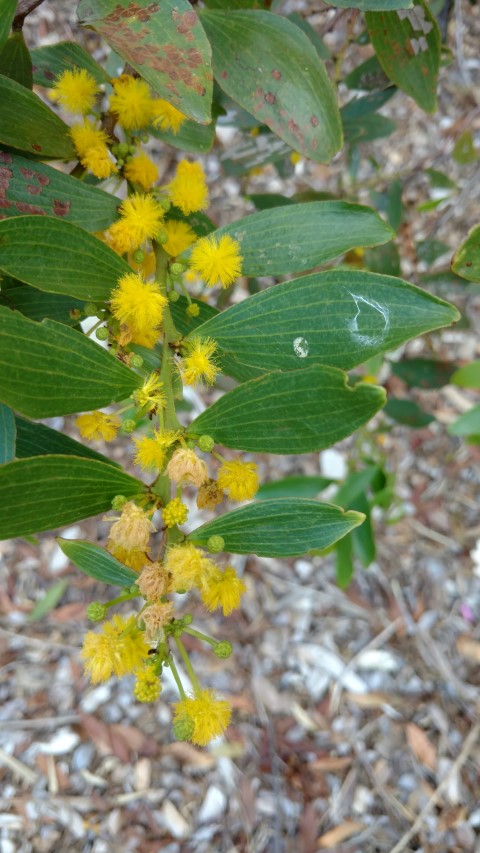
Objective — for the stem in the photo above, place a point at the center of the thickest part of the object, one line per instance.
(122, 598)
(188, 666)
(176, 676)
(170, 335)
(95, 327)
(198, 634)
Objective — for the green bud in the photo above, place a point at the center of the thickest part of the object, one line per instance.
(123, 149)
(139, 256)
(132, 149)
(136, 361)
(187, 619)
(190, 444)
(90, 309)
(114, 150)
(223, 649)
(162, 237)
(102, 333)
(173, 296)
(120, 163)
(215, 544)
(129, 425)
(193, 310)
(206, 443)
(165, 203)
(128, 158)
(133, 589)
(176, 268)
(183, 728)
(119, 502)
(143, 137)
(96, 611)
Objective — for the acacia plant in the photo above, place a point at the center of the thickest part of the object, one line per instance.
(104, 236)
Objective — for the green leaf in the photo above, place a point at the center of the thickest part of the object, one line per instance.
(424, 372)
(285, 527)
(297, 237)
(37, 305)
(363, 537)
(407, 45)
(40, 440)
(265, 201)
(15, 61)
(53, 59)
(466, 260)
(263, 61)
(59, 257)
(7, 434)
(164, 42)
(344, 561)
(97, 563)
(367, 128)
(383, 259)
(29, 125)
(296, 486)
(35, 188)
(311, 34)
(439, 180)
(7, 12)
(407, 412)
(369, 75)
(295, 412)
(46, 492)
(467, 424)
(339, 318)
(464, 150)
(47, 369)
(253, 152)
(429, 250)
(467, 376)
(355, 485)
(49, 601)
(374, 5)
(194, 137)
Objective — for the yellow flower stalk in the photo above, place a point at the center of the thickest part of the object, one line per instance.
(75, 91)
(131, 102)
(217, 260)
(97, 425)
(210, 716)
(141, 219)
(166, 116)
(118, 649)
(222, 589)
(188, 189)
(238, 479)
(198, 364)
(141, 170)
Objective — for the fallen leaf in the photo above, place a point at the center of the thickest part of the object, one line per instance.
(330, 763)
(421, 746)
(338, 834)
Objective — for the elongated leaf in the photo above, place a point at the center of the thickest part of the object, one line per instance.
(296, 486)
(338, 318)
(263, 61)
(97, 563)
(53, 59)
(295, 412)
(49, 601)
(45, 492)
(367, 128)
(7, 12)
(408, 412)
(468, 423)
(39, 440)
(37, 305)
(59, 257)
(344, 561)
(7, 434)
(48, 369)
(466, 260)
(15, 61)
(424, 372)
(297, 237)
(164, 42)
(194, 137)
(29, 125)
(34, 188)
(407, 45)
(467, 376)
(374, 5)
(285, 527)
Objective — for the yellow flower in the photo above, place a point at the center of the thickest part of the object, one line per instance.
(188, 189)
(152, 452)
(153, 581)
(210, 716)
(117, 650)
(166, 116)
(197, 364)
(217, 260)
(238, 479)
(151, 393)
(138, 304)
(147, 685)
(131, 102)
(209, 495)
(134, 558)
(180, 236)
(186, 467)
(155, 617)
(99, 162)
(141, 170)
(141, 219)
(222, 589)
(187, 566)
(175, 512)
(76, 90)
(97, 425)
(92, 150)
(192, 310)
(132, 530)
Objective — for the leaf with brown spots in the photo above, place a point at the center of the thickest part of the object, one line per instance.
(29, 125)
(269, 66)
(164, 42)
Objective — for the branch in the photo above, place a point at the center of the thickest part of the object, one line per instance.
(23, 9)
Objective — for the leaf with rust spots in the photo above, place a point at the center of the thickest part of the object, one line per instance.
(29, 125)
(164, 42)
(270, 67)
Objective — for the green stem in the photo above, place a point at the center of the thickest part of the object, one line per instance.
(95, 327)
(122, 598)
(170, 335)
(198, 634)
(176, 676)
(188, 666)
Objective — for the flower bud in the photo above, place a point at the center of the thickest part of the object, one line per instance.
(187, 619)
(193, 310)
(173, 296)
(165, 203)
(96, 611)
(215, 544)
(138, 256)
(223, 649)
(162, 237)
(132, 149)
(183, 728)
(118, 502)
(90, 309)
(136, 361)
(129, 425)
(122, 149)
(120, 163)
(102, 333)
(176, 268)
(206, 443)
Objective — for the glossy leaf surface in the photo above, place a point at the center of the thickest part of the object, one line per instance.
(97, 563)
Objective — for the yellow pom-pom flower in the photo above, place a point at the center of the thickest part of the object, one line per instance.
(166, 116)
(175, 512)
(238, 479)
(96, 425)
(186, 467)
(147, 685)
(180, 236)
(138, 304)
(188, 190)
(76, 90)
(222, 589)
(153, 581)
(141, 170)
(118, 649)
(188, 566)
(141, 219)
(134, 558)
(131, 102)
(210, 716)
(132, 529)
(92, 150)
(217, 260)
(151, 393)
(198, 364)
(152, 452)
